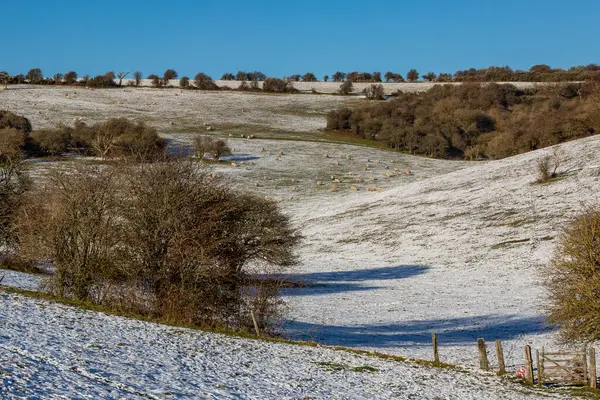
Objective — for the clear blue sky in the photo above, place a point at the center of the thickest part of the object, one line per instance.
(280, 37)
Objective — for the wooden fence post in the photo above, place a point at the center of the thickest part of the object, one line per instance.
(585, 366)
(540, 368)
(436, 356)
(483, 360)
(528, 364)
(500, 355)
(593, 382)
(255, 323)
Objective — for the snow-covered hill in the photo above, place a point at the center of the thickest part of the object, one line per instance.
(52, 351)
(461, 254)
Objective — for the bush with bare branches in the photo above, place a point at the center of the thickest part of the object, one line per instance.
(215, 147)
(166, 240)
(573, 281)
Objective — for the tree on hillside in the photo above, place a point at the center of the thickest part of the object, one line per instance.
(121, 76)
(326, 78)
(155, 79)
(110, 75)
(184, 82)
(58, 78)
(168, 75)
(4, 78)
(353, 76)
(444, 77)
(34, 76)
(376, 76)
(228, 76)
(240, 76)
(393, 77)
(430, 76)
(204, 82)
(309, 77)
(374, 92)
(339, 76)
(294, 78)
(346, 88)
(412, 75)
(70, 77)
(137, 76)
(540, 68)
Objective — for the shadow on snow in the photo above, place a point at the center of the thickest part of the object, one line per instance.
(319, 283)
(454, 331)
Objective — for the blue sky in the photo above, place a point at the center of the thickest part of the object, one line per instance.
(280, 37)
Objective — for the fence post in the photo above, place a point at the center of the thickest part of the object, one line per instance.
(500, 355)
(483, 360)
(255, 323)
(436, 356)
(540, 368)
(528, 364)
(593, 382)
(585, 366)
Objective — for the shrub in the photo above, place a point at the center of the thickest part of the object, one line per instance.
(168, 75)
(339, 76)
(14, 183)
(166, 240)
(116, 137)
(71, 77)
(309, 77)
(339, 119)
(204, 82)
(573, 281)
(215, 147)
(374, 92)
(346, 88)
(34, 76)
(101, 81)
(137, 77)
(276, 85)
(11, 120)
(120, 137)
(548, 165)
(79, 204)
(485, 121)
(184, 82)
(53, 141)
(412, 75)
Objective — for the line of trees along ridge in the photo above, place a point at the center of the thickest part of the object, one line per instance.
(537, 73)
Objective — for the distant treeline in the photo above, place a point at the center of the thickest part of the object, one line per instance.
(476, 121)
(537, 73)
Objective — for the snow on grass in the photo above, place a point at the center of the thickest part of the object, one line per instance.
(461, 254)
(170, 109)
(49, 350)
(454, 248)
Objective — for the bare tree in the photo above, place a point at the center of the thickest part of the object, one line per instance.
(121, 76)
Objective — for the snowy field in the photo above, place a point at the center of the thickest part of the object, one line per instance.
(51, 351)
(450, 247)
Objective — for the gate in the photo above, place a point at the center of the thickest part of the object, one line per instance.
(562, 368)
